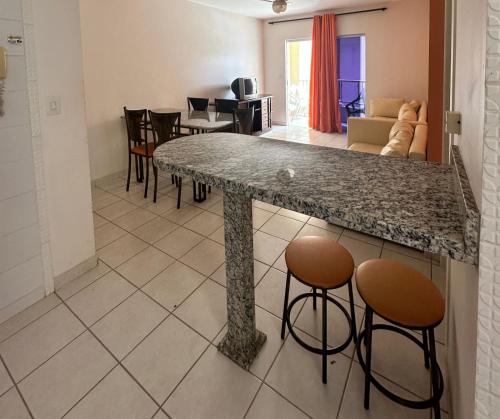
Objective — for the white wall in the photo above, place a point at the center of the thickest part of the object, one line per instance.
(155, 54)
(46, 225)
(469, 98)
(65, 147)
(21, 266)
(397, 49)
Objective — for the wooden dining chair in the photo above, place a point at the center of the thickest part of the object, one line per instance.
(197, 104)
(166, 127)
(244, 120)
(137, 139)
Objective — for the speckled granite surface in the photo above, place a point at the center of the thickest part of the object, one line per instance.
(407, 202)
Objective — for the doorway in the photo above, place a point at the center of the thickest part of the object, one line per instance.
(298, 77)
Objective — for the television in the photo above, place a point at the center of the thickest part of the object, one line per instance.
(245, 88)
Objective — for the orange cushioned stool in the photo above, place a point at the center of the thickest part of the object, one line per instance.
(407, 299)
(322, 264)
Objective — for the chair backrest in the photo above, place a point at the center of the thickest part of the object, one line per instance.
(197, 104)
(245, 118)
(136, 126)
(226, 105)
(166, 126)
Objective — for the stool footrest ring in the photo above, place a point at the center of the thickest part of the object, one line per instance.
(415, 404)
(305, 345)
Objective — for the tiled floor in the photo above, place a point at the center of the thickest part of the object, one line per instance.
(307, 136)
(135, 337)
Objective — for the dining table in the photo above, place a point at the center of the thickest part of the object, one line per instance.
(201, 121)
(425, 206)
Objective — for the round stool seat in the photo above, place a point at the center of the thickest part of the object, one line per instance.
(400, 294)
(319, 262)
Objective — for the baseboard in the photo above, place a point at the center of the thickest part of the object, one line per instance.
(279, 123)
(22, 303)
(75, 272)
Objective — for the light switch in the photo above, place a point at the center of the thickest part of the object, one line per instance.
(453, 122)
(53, 105)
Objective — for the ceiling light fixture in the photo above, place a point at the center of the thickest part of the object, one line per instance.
(279, 6)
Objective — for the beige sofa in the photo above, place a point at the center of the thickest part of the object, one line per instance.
(371, 134)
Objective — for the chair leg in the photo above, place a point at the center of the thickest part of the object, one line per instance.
(155, 173)
(179, 192)
(129, 170)
(324, 326)
(426, 346)
(353, 313)
(314, 298)
(173, 180)
(147, 178)
(434, 372)
(137, 168)
(141, 168)
(368, 329)
(285, 304)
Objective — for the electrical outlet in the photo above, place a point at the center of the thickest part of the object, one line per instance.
(453, 122)
(53, 105)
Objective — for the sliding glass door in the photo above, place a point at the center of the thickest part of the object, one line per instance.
(298, 75)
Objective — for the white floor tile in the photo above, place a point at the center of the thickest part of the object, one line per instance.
(218, 235)
(362, 237)
(265, 206)
(117, 396)
(260, 217)
(174, 285)
(116, 210)
(107, 234)
(360, 251)
(296, 374)
(56, 386)
(295, 215)
(134, 219)
(12, 406)
(71, 288)
(38, 341)
(420, 265)
(22, 319)
(205, 223)
(100, 297)
(205, 310)
(325, 225)
(162, 205)
(144, 266)
(121, 250)
(179, 242)
(270, 292)
(164, 357)
(380, 406)
(5, 381)
(206, 257)
(222, 389)
(414, 253)
(283, 227)
(269, 404)
(125, 326)
(182, 215)
(267, 248)
(154, 230)
(310, 230)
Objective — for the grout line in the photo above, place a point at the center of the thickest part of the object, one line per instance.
(14, 385)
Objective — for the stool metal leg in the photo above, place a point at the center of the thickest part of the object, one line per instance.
(325, 301)
(368, 328)
(285, 304)
(314, 298)
(434, 372)
(426, 346)
(354, 329)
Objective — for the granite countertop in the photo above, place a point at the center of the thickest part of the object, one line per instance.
(416, 204)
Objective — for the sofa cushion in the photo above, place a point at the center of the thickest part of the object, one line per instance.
(400, 139)
(408, 112)
(366, 148)
(386, 107)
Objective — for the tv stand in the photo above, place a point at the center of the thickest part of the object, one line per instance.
(262, 105)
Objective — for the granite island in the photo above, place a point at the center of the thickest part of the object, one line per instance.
(422, 205)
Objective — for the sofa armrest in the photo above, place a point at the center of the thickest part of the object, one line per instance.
(368, 130)
(418, 147)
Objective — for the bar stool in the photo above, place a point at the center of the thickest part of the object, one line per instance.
(407, 299)
(322, 264)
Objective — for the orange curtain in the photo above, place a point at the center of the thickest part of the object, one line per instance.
(324, 109)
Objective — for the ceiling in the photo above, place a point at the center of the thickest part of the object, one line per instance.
(261, 9)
